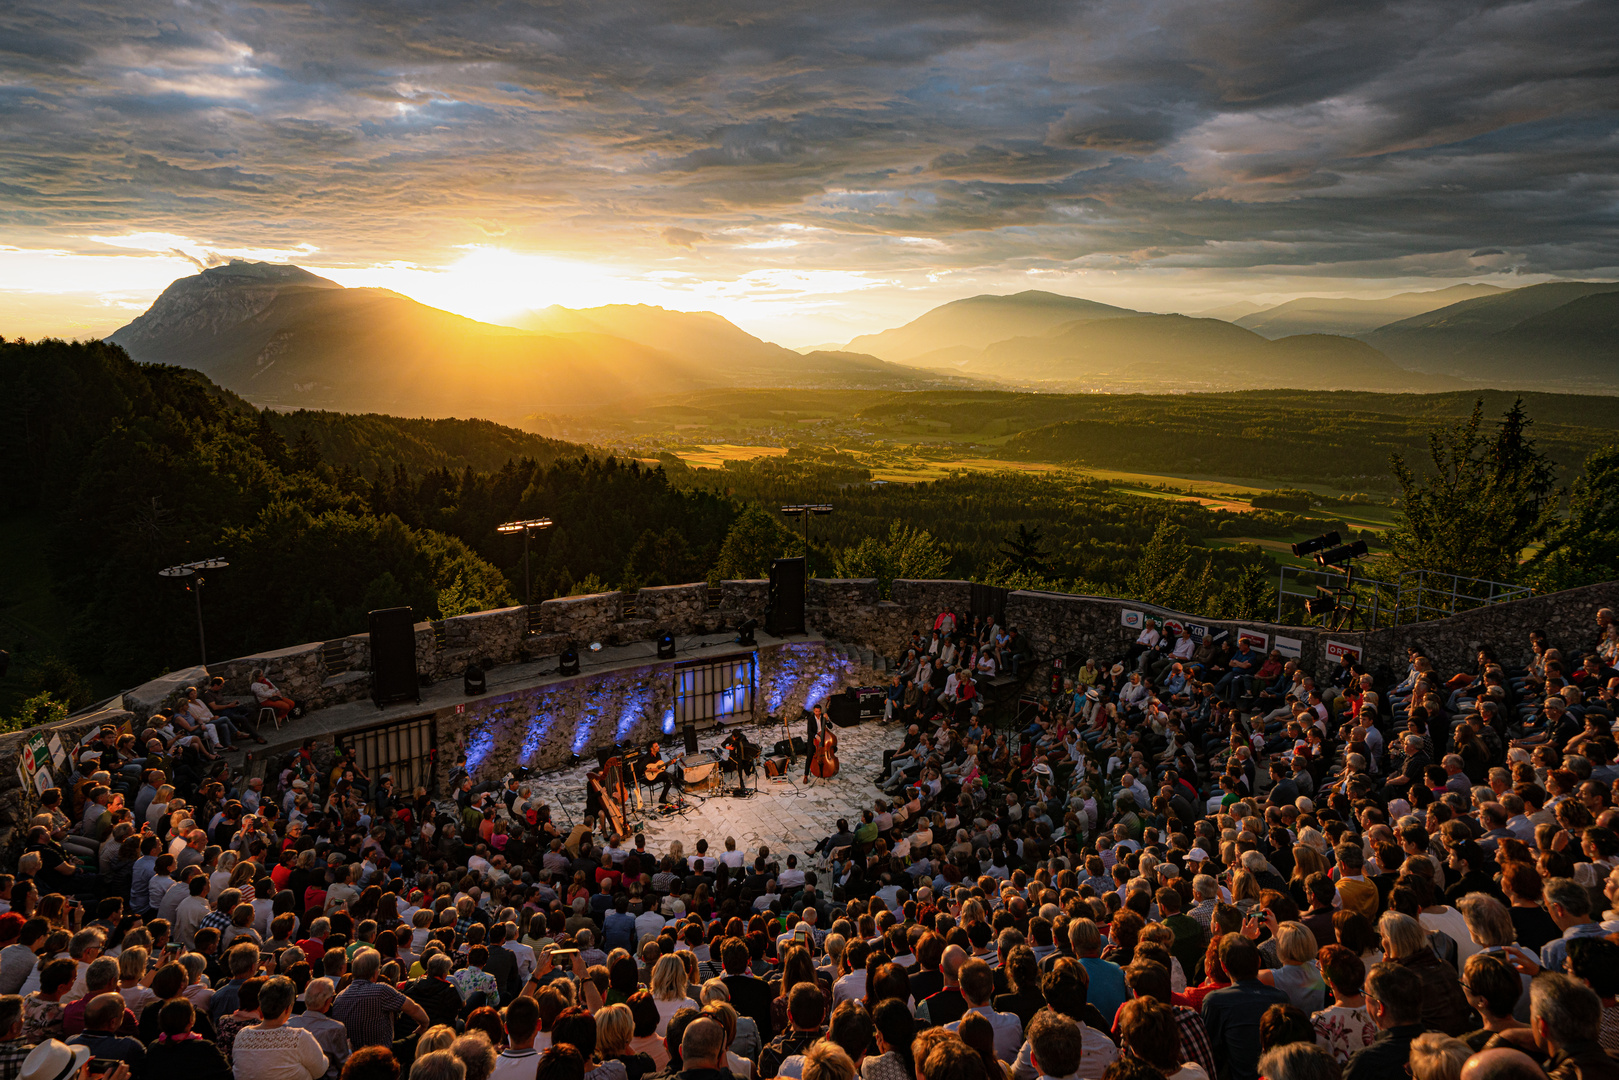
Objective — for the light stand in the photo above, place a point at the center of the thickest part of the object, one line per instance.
(525, 527)
(190, 569)
(804, 510)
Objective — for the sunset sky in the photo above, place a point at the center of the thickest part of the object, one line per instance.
(811, 170)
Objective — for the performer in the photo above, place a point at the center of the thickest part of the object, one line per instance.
(593, 799)
(658, 766)
(736, 755)
(814, 724)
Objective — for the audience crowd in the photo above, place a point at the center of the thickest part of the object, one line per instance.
(1190, 861)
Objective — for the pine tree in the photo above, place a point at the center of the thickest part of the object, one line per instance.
(1484, 502)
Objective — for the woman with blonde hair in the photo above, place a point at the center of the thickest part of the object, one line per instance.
(437, 1037)
(1437, 1057)
(1244, 890)
(1299, 975)
(615, 1028)
(669, 981)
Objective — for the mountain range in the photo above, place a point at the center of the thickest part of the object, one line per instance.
(1558, 335)
(281, 336)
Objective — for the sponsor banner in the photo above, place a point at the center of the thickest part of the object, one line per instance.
(1337, 650)
(1132, 619)
(58, 754)
(1289, 647)
(1260, 640)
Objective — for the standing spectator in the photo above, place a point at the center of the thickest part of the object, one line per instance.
(367, 1008)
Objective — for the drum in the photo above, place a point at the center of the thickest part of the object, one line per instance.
(702, 773)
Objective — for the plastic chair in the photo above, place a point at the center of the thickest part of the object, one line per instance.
(275, 717)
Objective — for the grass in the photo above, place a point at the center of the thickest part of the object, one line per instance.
(715, 455)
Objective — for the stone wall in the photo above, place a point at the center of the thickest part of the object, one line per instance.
(674, 609)
(583, 618)
(20, 801)
(1057, 623)
(743, 599)
(544, 727)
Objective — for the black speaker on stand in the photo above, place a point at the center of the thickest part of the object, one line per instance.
(786, 612)
(393, 657)
(689, 735)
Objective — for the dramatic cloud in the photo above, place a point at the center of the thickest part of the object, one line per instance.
(1213, 146)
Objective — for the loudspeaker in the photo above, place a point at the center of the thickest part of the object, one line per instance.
(845, 709)
(393, 656)
(798, 747)
(871, 700)
(689, 734)
(786, 611)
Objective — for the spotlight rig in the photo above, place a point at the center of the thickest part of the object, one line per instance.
(1339, 602)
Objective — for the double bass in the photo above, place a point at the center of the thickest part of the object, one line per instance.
(824, 763)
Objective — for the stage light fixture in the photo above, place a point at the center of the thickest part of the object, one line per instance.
(744, 633)
(568, 662)
(666, 647)
(1310, 547)
(1342, 554)
(1324, 603)
(473, 680)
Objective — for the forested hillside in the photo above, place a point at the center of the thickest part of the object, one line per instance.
(115, 470)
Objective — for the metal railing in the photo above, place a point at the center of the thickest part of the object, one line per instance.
(1430, 594)
(1413, 596)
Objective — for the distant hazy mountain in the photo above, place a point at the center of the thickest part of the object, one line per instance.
(1231, 312)
(1556, 334)
(1318, 315)
(683, 333)
(1173, 352)
(281, 336)
(979, 321)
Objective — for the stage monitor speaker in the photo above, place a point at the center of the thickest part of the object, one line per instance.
(845, 709)
(393, 656)
(689, 734)
(786, 611)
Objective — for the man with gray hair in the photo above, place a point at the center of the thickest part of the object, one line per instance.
(1569, 905)
(439, 1065)
(368, 1007)
(1566, 1017)
(332, 1036)
(1297, 1061)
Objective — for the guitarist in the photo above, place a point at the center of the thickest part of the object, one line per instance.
(657, 765)
(814, 726)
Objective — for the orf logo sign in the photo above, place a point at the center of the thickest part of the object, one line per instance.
(1337, 650)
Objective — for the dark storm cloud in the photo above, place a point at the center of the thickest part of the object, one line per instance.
(1227, 134)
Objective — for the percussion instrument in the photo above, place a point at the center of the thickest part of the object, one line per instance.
(702, 772)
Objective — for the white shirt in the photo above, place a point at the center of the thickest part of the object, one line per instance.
(1008, 1030)
(526, 963)
(852, 987)
(283, 1053)
(515, 1065)
(1097, 1053)
(733, 859)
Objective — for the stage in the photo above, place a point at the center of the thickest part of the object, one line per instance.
(788, 817)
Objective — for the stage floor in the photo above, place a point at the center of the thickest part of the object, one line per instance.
(786, 817)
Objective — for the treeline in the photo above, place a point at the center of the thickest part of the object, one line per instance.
(129, 468)
(1092, 535)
